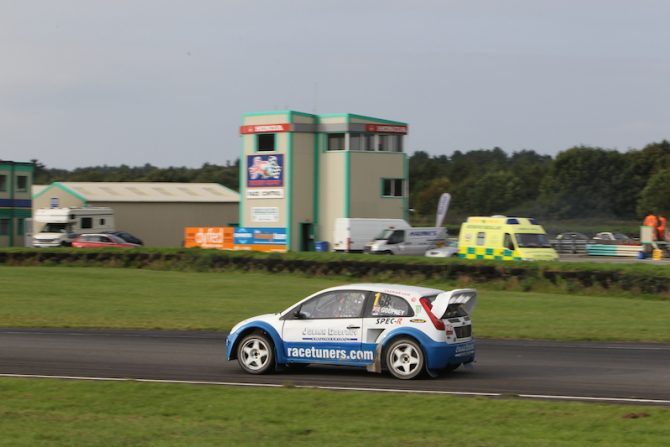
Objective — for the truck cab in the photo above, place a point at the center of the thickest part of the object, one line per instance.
(407, 241)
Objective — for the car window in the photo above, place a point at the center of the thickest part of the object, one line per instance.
(385, 305)
(335, 304)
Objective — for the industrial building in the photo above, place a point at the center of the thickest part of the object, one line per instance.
(157, 213)
(301, 171)
(16, 179)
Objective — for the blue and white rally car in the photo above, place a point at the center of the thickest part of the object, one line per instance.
(403, 329)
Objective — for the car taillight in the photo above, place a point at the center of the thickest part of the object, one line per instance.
(348, 244)
(439, 325)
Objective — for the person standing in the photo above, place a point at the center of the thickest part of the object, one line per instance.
(660, 228)
(650, 220)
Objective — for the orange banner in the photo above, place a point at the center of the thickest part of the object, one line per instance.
(222, 238)
(208, 237)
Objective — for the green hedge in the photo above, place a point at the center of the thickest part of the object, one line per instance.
(633, 279)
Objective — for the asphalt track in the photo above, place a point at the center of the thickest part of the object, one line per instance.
(605, 372)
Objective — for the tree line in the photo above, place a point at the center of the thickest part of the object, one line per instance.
(580, 182)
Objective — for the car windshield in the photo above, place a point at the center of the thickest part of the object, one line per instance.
(54, 228)
(532, 240)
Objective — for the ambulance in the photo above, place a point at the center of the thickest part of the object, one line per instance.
(504, 238)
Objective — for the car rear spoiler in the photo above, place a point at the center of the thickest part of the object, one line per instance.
(465, 297)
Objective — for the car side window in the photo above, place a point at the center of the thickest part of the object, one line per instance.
(385, 305)
(335, 304)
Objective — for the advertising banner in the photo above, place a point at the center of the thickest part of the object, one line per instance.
(386, 128)
(265, 171)
(442, 207)
(260, 236)
(265, 128)
(208, 237)
(229, 238)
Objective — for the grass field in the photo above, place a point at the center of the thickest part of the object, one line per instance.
(58, 413)
(78, 413)
(146, 299)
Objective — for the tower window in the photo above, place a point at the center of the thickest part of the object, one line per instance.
(392, 187)
(389, 143)
(266, 142)
(22, 183)
(361, 142)
(335, 141)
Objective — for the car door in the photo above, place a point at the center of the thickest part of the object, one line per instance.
(385, 313)
(327, 329)
(399, 242)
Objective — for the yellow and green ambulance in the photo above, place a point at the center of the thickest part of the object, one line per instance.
(504, 238)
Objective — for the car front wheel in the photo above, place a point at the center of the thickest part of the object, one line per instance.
(404, 358)
(255, 354)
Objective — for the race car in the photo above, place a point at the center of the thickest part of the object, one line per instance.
(405, 330)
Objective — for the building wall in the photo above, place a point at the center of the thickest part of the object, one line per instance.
(320, 185)
(249, 148)
(269, 118)
(162, 224)
(158, 224)
(368, 169)
(296, 208)
(15, 201)
(303, 185)
(332, 191)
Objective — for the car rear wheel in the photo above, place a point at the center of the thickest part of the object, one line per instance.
(404, 358)
(255, 354)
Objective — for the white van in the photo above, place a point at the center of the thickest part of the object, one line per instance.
(57, 227)
(408, 241)
(352, 234)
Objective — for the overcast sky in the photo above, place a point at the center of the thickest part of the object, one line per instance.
(92, 82)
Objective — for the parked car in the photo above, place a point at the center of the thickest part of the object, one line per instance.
(403, 329)
(126, 237)
(449, 250)
(609, 237)
(572, 236)
(570, 242)
(100, 241)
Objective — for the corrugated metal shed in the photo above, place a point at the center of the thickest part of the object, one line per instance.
(147, 192)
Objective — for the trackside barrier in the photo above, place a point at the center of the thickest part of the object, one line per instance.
(568, 246)
(613, 250)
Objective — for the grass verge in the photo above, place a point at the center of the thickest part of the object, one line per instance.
(76, 413)
(148, 299)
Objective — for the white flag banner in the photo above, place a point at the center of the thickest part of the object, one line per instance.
(442, 207)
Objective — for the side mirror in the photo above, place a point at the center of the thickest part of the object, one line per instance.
(298, 315)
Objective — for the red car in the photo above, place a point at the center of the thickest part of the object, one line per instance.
(101, 241)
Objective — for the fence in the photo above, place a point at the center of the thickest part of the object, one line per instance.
(569, 246)
(613, 250)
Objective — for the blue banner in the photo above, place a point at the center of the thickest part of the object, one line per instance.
(260, 236)
(16, 203)
(265, 171)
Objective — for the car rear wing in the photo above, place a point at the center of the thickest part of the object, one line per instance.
(465, 297)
